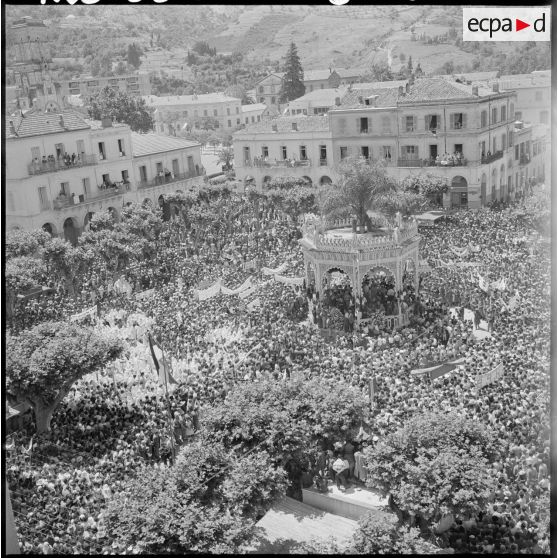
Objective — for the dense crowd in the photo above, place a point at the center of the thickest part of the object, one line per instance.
(109, 425)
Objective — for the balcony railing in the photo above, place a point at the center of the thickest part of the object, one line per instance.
(451, 162)
(278, 163)
(160, 180)
(489, 157)
(68, 201)
(524, 159)
(55, 165)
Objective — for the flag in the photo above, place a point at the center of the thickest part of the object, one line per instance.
(438, 369)
(163, 372)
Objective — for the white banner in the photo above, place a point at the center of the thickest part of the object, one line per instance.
(210, 292)
(276, 271)
(289, 280)
(250, 265)
(243, 287)
(490, 377)
(142, 295)
(91, 312)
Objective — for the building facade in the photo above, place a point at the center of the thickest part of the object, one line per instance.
(62, 169)
(136, 84)
(267, 91)
(465, 134)
(210, 111)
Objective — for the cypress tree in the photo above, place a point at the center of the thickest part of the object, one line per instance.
(293, 86)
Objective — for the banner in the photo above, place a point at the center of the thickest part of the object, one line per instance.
(490, 377)
(482, 283)
(142, 295)
(513, 301)
(210, 292)
(238, 290)
(91, 312)
(289, 280)
(276, 271)
(436, 370)
(246, 293)
(122, 286)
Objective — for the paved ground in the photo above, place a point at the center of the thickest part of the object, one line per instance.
(482, 332)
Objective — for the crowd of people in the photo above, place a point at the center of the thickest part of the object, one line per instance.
(108, 426)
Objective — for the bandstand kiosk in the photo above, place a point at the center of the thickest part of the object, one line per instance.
(335, 246)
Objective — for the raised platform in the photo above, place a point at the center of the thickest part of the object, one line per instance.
(351, 504)
(290, 522)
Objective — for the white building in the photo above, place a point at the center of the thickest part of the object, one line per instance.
(61, 169)
(251, 114)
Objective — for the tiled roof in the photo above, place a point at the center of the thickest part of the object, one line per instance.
(386, 97)
(380, 84)
(98, 125)
(316, 75)
(253, 107)
(326, 97)
(40, 123)
(170, 100)
(439, 89)
(149, 144)
(278, 74)
(350, 72)
(285, 124)
(520, 81)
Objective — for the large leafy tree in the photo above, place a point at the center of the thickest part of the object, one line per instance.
(293, 80)
(435, 465)
(293, 195)
(133, 55)
(364, 189)
(122, 107)
(19, 242)
(208, 501)
(43, 363)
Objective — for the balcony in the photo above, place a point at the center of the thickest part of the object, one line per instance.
(160, 180)
(58, 165)
(524, 159)
(323, 162)
(113, 191)
(278, 164)
(452, 162)
(490, 157)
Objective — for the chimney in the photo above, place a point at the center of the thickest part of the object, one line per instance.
(106, 122)
(274, 127)
(295, 127)
(476, 90)
(337, 101)
(372, 100)
(496, 87)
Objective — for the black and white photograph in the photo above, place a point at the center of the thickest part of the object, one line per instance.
(278, 278)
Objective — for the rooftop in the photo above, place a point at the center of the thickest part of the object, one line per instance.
(315, 75)
(252, 107)
(149, 144)
(324, 97)
(285, 124)
(470, 76)
(439, 89)
(379, 84)
(36, 123)
(171, 100)
(521, 81)
(386, 97)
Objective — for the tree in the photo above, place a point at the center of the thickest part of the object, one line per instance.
(133, 56)
(435, 465)
(292, 195)
(122, 107)
(208, 502)
(226, 157)
(43, 363)
(378, 72)
(95, 68)
(410, 65)
(20, 242)
(120, 68)
(364, 189)
(428, 185)
(293, 80)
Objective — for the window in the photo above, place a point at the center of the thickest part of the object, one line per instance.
(457, 121)
(262, 99)
(512, 109)
(494, 145)
(237, 121)
(261, 89)
(538, 95)
(386, 124)
(65, 188)
(431, 122)
(265, 151)
(482, 146)
(543, 117)
(321, 85)
(106, 178)
(303, 153)
(143, 173)
(323, 153)
(81, 147)
(124, 174)
(284, 152)
(175, 167)
(43, 198)
(494, 115)
(205, 112)
(458, 148)
(253, 119)
(503, 142)
(503, 113)
(159, 166)
(409, 123)
(363, 125)
(409, 151)
(516, 152)
(483, 119)
(121, 148)
(518, 115)
(246, 120)
(228, 111)
(60, 151)
(386, 151)
(365, 151)
(86, 186)
(272, 100)
(343, 152)
(102, 153)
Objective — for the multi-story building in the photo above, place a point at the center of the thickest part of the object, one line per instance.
(253, 113)
(331, 78)
(462, 133)
(137, 84)
(267, 91)
(315, 102)
(209, 111)
(62, 169)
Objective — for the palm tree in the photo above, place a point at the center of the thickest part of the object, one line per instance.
(364, 190)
